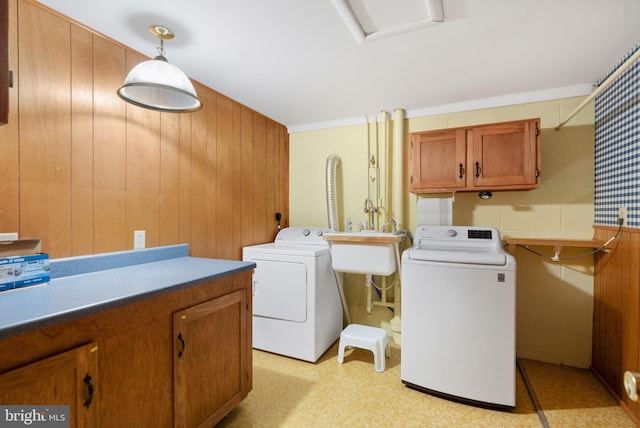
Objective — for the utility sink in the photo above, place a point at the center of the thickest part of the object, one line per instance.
(366, 252)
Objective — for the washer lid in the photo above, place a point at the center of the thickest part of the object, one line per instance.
(458, 255)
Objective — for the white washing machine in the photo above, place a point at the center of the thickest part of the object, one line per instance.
(458, 316)
(297, 310)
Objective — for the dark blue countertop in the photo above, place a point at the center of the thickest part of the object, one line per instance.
(82, 286)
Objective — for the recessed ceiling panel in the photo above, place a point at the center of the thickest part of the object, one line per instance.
(383, 15)
(374, 19)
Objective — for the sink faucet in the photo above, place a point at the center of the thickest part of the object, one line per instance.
(368, 205)
(370, 209)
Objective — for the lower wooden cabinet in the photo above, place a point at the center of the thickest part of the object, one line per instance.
(138, 375)
(178, 360)
(68, 378)
(208, 360)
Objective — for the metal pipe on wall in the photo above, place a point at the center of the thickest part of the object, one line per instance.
(383, 203)
(397, 195)
(397, 177)
(628, 63)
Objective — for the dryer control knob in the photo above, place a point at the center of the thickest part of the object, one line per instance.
(306, 232)
(451, 232)
(320, 233)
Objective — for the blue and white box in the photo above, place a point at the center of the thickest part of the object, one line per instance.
(22, 264)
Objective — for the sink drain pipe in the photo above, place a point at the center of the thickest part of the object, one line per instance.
(332, 213)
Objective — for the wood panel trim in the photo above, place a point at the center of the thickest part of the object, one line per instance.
(616, 315)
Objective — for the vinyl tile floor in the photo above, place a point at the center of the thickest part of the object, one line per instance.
(293, 393)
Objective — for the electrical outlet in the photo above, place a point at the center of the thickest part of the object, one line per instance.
(622, 213)
(138, 239)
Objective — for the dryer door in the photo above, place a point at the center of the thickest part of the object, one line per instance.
(280, 290)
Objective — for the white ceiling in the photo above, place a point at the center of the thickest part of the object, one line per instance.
(297, 62)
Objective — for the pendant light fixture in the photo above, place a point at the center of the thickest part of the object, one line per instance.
(158, 85)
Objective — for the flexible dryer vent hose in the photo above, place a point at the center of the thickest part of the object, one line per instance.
(332, 212)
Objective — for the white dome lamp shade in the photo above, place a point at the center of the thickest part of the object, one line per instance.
(158, 85)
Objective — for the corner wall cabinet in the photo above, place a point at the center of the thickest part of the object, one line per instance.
(499, 156)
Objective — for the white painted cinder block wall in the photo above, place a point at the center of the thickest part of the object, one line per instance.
(554, 300)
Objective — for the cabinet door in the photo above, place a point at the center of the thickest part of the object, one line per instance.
(210, 360)
(438, 160)
(137, 377)
(505, 155)
(69, 378)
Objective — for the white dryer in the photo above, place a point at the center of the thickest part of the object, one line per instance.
(458, 316)
(297, 310)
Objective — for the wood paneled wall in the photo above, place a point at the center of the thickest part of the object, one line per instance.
(4, 55)
(81, 169)
(616, 312)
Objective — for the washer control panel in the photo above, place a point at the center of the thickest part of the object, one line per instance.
(459, 236)
(456, 232)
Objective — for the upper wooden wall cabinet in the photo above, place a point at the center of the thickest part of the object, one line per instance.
(498, 156)
(4, 61)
